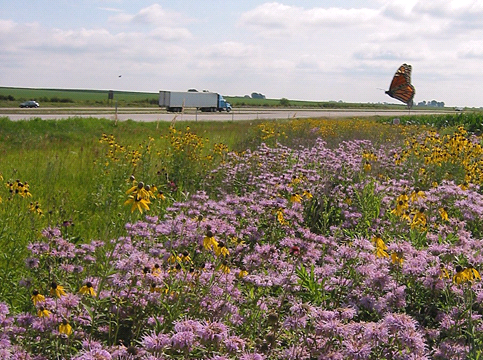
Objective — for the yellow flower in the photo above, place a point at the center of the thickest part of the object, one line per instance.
(397, 258)
(185, 257)
(307, 194)
(460, 276)
(138, 203)
(65, 328)
(88, 289)
(417, 194)
(380, 247)
(471, 273)
(242, 273)
(296, 198)
(443, 213)
(443, 273)
(419, 219)
(37, 297)
(367, 166)
(224, 268)
(56, 290)
(220, 249)
(43, 312)
(209, 241)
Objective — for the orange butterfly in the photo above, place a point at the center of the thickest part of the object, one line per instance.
(401, 88)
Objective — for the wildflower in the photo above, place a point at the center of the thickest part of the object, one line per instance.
(296, 198)
(56, 290)
(220, 249)
(443, 272)
(242, 273)
(380, 247)
(87, 289)
(65, 328)
(471, 273)
(417, 194)
(400, 209)
(419, 219)
(367, 166)
(137, 202)
(185, 257)
(464, 186)
(35, 208)
(37, 297)
(280, 217)
(444, 214)
(43, 312)
(209, 241)
(161, 195)
(156, 270)
(397, 258)
(224, 267)
(307, 194)
(460, 276)
(174, 259)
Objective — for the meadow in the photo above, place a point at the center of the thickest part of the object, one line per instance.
(287, 239)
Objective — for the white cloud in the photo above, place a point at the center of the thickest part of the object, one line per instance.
(154, 15)
(283, 19)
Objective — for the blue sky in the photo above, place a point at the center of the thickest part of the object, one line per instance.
(309, 50)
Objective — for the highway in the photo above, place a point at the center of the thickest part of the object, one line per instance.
(152, 114)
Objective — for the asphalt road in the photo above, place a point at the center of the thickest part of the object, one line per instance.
(150, 114)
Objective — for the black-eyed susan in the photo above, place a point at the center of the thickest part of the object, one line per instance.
(367, 166)
(87, 289)
(156, 270)
(417, 194)
(296, 198)
(380, 247)
(397, 258)
(65, 328)
(37, 297)
(443, 272)
(137, 203)
(242, 273)
(443, 212)
(460, 276)
(209, 241)
(56, 290)
(224, 268)
(419, 219)
(220, 249)
(43, 312)
(471, 273)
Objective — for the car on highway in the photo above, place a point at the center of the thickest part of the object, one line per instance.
(29, 104)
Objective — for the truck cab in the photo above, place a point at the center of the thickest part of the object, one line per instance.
(223, 105)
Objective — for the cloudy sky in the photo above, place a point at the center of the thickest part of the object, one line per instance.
(309, 50)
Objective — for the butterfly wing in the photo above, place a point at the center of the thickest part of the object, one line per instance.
(401, 88)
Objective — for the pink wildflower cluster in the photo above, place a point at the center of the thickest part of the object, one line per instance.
(247, 270)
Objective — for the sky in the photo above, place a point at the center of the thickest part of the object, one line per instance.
(322, 50)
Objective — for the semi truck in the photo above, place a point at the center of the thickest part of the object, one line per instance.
(176, 101)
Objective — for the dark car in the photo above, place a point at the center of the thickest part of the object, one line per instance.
(30, 104)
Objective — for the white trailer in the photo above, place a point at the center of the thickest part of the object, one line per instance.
(176, 101)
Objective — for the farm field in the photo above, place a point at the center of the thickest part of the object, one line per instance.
(321, 238)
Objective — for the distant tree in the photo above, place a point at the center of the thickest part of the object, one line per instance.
(257, 95)
(284, 102)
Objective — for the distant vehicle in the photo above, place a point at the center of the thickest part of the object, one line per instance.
(459, 109)
(175, 101)
(29, 104)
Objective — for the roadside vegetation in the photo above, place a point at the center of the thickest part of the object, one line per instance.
(287, 239)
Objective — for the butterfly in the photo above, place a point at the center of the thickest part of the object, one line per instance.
(401, 88)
